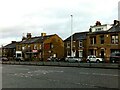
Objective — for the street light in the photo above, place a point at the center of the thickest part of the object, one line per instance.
(71, 33)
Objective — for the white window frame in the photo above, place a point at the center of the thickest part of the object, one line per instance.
(114, 39)
(35, 46)
(80, 43)
(68, 44)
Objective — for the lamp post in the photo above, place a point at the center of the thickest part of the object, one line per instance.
(71, 34)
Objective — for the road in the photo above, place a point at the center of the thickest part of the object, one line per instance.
(23, 76)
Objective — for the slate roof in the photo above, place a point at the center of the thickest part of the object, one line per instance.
(77, 36)
(115, 28)
(39, 39)
(10, 46)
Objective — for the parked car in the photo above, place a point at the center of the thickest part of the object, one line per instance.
(93, 58)
(19, 59)
(4, 59)
(52, 59)
(115, 58)
(73, 59)
(62, 59)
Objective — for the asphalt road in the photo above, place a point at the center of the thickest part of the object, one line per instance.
(23, 76)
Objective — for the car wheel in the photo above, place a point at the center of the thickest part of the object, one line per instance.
(88, 61)
(76, 61)
(98, 61)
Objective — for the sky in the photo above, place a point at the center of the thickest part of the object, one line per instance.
(19, 17)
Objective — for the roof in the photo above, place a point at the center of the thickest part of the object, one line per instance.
(115, 28)
(77, 36)
(99, 32)
(99, 25)
(38, 39)
(11, 45)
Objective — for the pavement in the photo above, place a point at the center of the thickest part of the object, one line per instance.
(67, 64)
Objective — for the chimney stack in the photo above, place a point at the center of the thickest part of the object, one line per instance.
(43, 34)
(29, 35)
(116, 22)
(98, 23)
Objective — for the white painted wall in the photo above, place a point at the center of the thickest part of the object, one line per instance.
(103, 27)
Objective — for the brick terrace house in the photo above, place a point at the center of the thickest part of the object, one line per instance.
(41, 47)
(104, 40)
(9, 50)
(78, 45)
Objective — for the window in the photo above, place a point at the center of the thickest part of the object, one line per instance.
(35, 46)
(68, 53)
(114, 39)
(98, 29)
(68, 45)
(19, 48)
(93, 40)
(40, 47)
(80, 43)
(73, 44)
(23, 48)
(51, 46)
(102, 39)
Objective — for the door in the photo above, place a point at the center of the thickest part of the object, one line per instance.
(102, 53)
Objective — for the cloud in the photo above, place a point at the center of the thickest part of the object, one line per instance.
(52, 16)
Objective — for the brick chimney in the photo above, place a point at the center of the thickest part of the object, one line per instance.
(29, 35)
(98, 23)
(43, 34)
(116, 22)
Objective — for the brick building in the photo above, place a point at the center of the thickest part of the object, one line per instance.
(102, 40)
(9, 50)
(40, 47)
(78, 45)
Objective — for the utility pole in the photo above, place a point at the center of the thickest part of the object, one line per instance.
(71, 35)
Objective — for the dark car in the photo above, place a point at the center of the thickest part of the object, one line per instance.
(19, 59)
(52, 59)
(115, 58)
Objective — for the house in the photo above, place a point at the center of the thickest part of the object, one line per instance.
(9, 50)
(78, 45)
(40, 47)
(104, 41)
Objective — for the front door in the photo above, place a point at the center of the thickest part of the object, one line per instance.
(102, 53)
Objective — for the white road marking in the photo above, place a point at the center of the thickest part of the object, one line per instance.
(101, 74)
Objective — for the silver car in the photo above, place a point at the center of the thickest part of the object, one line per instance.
(73, 59)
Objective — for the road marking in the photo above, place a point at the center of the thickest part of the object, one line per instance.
(101, 74)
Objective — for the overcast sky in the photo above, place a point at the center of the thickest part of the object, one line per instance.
(19, 17)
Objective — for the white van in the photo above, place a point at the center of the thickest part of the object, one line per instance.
(19, 56)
